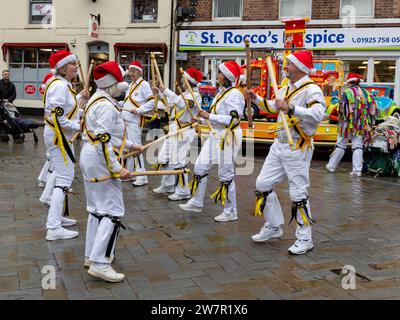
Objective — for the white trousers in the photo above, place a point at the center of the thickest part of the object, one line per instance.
(134, 134)
(210, 154)
(104, 199)
(341, 146)
(64, 176)
(49, 188)
(280, 162)
(45, 171)
(173, 155)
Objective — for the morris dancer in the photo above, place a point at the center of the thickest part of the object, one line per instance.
(174, 152)
(61, 122)
(104, 133)
(356, 118)
(139, 100)
(305, 101)
(221, 147)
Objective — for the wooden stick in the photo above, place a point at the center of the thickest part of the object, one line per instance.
(248, 84)
(160, 80)
(184, 99)
(143, 115)
(145, 173)
(81, 74)
(169, 135)
(75, 136)
(86, 86)
(187, 85)
(271, 72)
(82, 101)
(153, 81)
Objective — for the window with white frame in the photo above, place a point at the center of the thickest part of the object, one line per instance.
(28, 66)
(144, 10)
(40, 11)
(294, 8)
(357, 8)
(227, 9)
(126, 56)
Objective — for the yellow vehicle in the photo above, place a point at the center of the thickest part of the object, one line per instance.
(329, 75)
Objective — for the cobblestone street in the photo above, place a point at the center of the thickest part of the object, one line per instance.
(166, 253)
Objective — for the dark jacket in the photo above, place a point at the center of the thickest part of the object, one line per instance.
(7, 90)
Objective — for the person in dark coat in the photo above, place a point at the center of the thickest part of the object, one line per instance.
(7, 88)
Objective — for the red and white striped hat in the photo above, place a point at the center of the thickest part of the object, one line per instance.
(303, 60)
(193, 75)
(61, 58)
(353, 77)
(136, 65)
(231, 70)
(46, 78)
(108, 73)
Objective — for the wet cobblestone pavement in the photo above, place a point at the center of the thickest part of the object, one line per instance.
(167, 253)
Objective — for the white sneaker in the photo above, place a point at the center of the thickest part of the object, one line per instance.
(225, 217)
(67, 222)
(106, 273)
(139, 183)
(125, 180)
(162, 189)
(267, 232)
(60, 234)
(188, 207)
(355, 174)
(178, 197)
(301, 247)
(42, 184)
(87, 263)
(330, 169)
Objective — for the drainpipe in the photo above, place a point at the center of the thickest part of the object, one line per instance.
(172, 63)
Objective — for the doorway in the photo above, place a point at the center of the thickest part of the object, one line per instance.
(98, 53)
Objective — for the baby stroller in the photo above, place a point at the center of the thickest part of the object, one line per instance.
(11, 123)
(382, 154)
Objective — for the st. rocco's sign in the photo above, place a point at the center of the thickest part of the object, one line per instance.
(327, 39)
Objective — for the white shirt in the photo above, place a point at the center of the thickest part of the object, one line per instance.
(59, 95)
(231, 101)
(141, 96)
(177, 100)
(104, 117)
(309, 106)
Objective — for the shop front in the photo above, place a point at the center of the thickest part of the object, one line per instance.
(372, 52)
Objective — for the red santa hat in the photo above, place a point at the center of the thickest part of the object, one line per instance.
(107, 74)
(61, 58)
(46, 78)
(231, 70)
(353, 77)
(303, 60)
(193, 75)
(136, 65)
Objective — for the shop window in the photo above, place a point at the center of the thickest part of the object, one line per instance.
(27, 68)
(145, 10)
(357, 66)
(357, 8)
(384, 70)
(227, 8)
(294, 8)
(40, 11)
(125, 57)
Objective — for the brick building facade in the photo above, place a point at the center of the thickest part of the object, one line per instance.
(380, 64)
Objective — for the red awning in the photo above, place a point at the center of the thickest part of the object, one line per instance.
(44, 45)
(150, 46)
